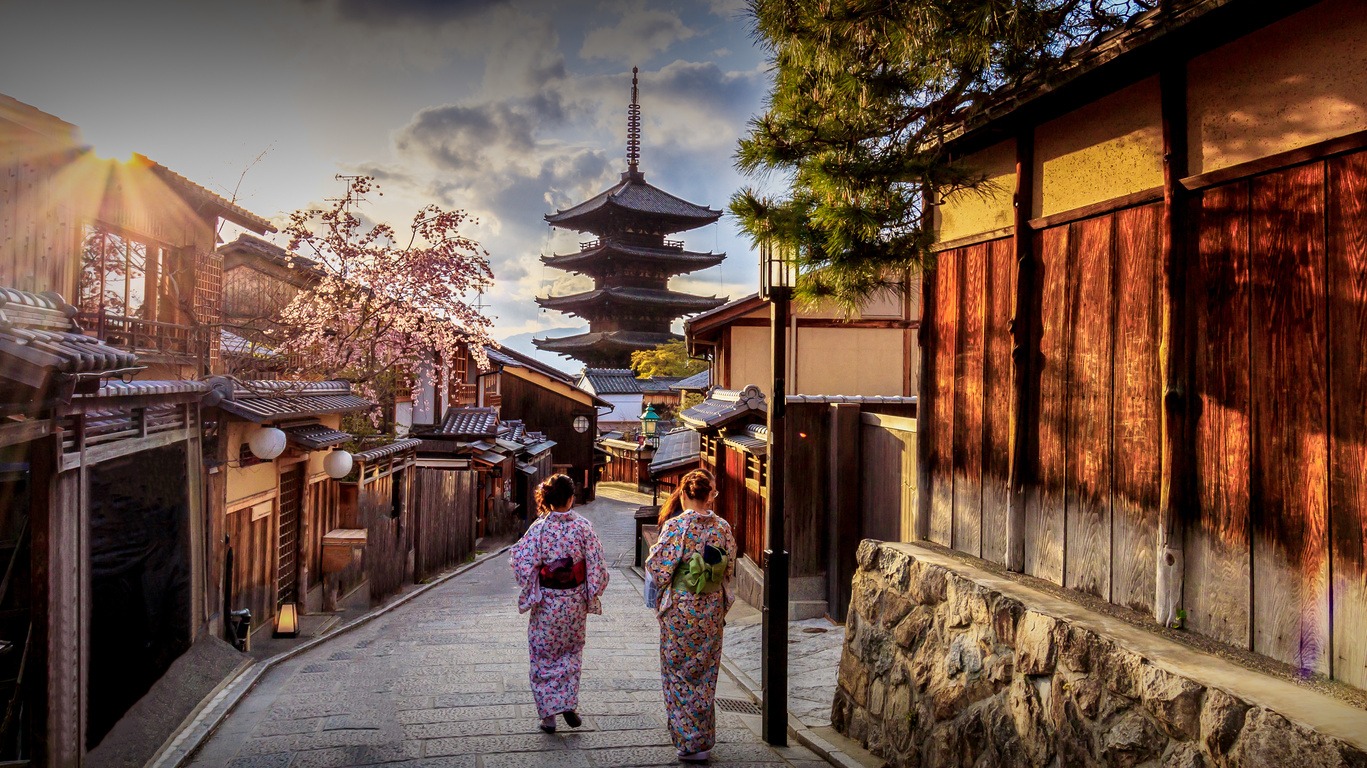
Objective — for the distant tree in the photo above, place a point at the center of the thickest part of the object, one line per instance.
(864, 94)
(668, 359)
(382, 305)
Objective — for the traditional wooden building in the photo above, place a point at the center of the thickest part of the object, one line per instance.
(631, 261)
(1176, 243)
(874, 352)
(130, 242)
(521, 388)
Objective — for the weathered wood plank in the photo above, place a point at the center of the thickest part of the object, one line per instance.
(1137, 403)
(1218, 566)
(1044, 518)
(1000, 287)
(925, 406)
(966, 534)
(943, 405)
(1023, 446)
(1290, 450)
(1347, 280)
(1087, 553)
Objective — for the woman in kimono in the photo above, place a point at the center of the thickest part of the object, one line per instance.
(692, 565)
(559, 567)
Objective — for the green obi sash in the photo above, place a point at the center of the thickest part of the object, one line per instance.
(703, 572)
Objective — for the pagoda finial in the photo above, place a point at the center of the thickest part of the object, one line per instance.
(633, 128)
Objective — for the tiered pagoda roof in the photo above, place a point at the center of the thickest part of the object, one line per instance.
(630, 306)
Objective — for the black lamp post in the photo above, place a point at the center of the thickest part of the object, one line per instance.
(777, 275)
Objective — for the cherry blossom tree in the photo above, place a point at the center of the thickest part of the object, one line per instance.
(382, 306)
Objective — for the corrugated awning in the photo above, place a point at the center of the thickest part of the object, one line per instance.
(315, 436)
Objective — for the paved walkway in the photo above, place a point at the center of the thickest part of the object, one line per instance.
(441, 682)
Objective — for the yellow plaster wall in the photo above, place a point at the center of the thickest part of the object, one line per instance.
(246, 481)
(749, 357)
(1300, 81)
(1107, 149)
(849, 361)
(974, 211)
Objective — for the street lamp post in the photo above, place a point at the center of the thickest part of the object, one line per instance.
(777, 277)
(650, 425)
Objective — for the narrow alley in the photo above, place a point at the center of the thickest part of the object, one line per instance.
(441, 682)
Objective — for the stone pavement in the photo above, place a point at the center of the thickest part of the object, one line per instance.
(814, 647)
(441, 681)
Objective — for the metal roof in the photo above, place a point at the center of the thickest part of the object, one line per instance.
(472, 422)
(261, 401)
(698, 382)
(315, 436)
(383, 451)
(632, 198)
(724, 407)
(611, 381)
(678, 448)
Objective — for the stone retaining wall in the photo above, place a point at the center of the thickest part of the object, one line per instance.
(945, 669)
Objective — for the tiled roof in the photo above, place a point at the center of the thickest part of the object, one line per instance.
(39, 340)
(659, 384)
(632, 297)
(605, 340)
(606, 255)
(632, 198)
(232, 344)
(383, 451)
(469, 422)
(261, 401)
(315, 436)
(679, 448)
(753, 438)
(136, 388)
(201, 196)
(725, 406)
(511, 357)
(612, 381)
(827, 399)
(698, 382)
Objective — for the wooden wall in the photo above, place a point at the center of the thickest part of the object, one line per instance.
(1275, 519)
(444, 507)
(552, 413)
(389, 538)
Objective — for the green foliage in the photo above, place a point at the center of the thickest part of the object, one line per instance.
(668, 359)
(864, 93)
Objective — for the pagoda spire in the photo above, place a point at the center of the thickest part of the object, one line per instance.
(634, 128)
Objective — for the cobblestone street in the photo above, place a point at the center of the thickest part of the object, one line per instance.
(442, 681)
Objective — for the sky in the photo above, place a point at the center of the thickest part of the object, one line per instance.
(509, 110)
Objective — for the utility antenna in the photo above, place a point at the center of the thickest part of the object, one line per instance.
(350, 198)
(633, 128)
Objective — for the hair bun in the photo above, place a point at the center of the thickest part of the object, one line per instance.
(554, 491)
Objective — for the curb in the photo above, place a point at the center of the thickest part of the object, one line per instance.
(796, 729)
(211, 714)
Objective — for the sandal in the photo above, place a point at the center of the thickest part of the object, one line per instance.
(572, 719)
(695, 757)
(548, 724)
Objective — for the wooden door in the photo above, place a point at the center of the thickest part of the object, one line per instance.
(287, 568)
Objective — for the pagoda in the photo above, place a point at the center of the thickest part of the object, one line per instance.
(630, 260)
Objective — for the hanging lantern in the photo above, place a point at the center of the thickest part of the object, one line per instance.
(267, 443)
(337, 464)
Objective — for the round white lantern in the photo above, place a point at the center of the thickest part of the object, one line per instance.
(267, 443)
(337, 464)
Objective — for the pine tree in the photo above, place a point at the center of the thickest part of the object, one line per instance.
(865, 92)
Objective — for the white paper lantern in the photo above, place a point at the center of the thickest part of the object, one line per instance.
(267, 443)
(337, 464)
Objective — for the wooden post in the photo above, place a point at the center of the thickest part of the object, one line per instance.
(844, 525)
(1172, 353)
(925, 400)
(1024, 354)
(44, 463)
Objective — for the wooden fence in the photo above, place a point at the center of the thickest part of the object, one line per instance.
(887, 497)
(444, 509)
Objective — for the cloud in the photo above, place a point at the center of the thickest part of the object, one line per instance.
(394, 12)
(639, 35)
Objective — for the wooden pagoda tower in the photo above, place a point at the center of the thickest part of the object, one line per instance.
(630, 260)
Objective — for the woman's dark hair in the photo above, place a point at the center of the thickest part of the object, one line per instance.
(555, 491)
(696, 485)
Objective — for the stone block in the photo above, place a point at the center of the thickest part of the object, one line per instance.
(1174, 701)
(1122, 671)
(1028, 716)
(1270, 739)
(892, 608)
(867, 554)
(1035, 644)
(1222, 717)
(1183, 754)
(928, 588)
(914, 627)
(1006, 613)
(896, 568)
(1130, 740)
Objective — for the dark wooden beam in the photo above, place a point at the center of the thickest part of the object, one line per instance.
(925, 398)
(1173, 363)
(1024, 354)
(1142, 197)
(1318, 151)
(844, 526)
(981, 237)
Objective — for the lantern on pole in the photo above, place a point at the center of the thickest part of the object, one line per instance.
(777, 278)
(650, 425)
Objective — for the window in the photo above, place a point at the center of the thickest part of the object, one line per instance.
(119, 276)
